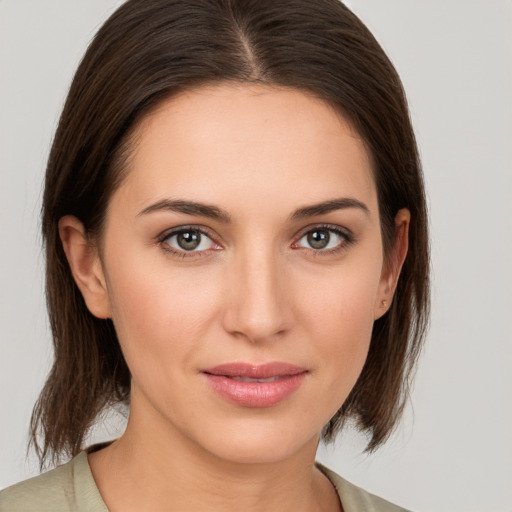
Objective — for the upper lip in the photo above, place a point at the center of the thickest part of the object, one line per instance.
(255, 371)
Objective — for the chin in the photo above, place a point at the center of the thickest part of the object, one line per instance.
(260, 443)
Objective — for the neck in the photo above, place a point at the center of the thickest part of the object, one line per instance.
(153, 467)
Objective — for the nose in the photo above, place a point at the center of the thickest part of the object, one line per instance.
(257, 306)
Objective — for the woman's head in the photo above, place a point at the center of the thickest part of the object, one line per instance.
(150, 54)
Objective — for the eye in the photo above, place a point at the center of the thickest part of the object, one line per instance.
(188, 240)
(323, 238)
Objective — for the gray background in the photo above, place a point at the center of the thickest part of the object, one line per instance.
(453, 451)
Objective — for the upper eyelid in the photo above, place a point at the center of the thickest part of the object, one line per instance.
(190, 227)
(332, 227)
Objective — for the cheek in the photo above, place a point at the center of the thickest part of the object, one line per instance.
(161, 312)
(340, 317)
(343, 300)
(345, 322)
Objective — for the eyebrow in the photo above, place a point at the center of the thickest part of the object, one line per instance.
(216, 213)
(188, 208)
(329, 206)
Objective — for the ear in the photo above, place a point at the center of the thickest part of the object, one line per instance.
(393, 263)
(85, 264)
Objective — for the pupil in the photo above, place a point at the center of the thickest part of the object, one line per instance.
(318, 239)
(189, 240)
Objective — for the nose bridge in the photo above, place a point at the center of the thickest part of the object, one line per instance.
(257, 308)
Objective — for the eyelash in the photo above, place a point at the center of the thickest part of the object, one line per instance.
(346, 235)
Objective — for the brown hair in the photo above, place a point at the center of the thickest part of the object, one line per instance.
(149, 50)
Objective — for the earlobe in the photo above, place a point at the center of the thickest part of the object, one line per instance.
(85, 265)
(393, 263)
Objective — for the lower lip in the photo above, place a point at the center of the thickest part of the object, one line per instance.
(255, 394)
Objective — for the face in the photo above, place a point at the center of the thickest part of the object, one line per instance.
(243, 269)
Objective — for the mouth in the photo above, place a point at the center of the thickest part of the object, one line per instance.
(249, 379)
(249, 385)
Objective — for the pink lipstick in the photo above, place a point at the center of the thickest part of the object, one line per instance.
(251, 385)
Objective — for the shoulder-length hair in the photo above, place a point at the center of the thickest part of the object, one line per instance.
(150, 50)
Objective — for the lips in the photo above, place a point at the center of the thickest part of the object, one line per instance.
(251, 385)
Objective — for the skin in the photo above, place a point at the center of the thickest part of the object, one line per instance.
(255, 291)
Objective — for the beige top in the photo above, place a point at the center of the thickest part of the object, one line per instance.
(71, 488)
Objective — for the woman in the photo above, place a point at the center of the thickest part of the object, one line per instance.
(236, 242)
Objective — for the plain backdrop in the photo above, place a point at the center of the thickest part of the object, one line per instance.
(453, 451)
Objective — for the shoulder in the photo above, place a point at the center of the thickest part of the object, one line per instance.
(67, 488)
(355, 499)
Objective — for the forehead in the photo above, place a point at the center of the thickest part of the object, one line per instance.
(216, 141)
